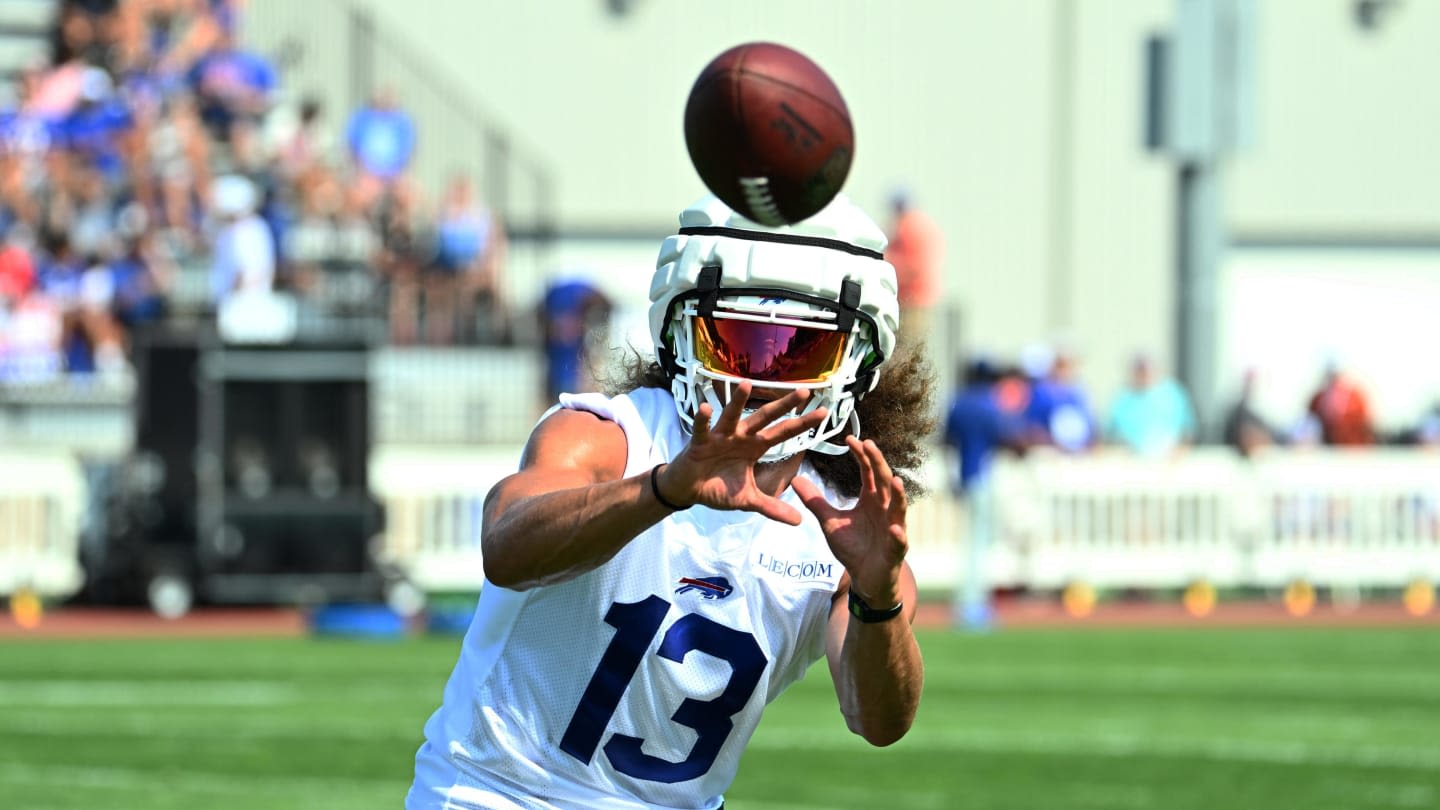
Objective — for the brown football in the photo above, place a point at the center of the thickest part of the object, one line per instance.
(769, 133)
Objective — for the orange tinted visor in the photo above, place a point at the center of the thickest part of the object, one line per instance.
(768, 352)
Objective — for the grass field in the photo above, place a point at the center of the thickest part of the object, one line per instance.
(1308, 718)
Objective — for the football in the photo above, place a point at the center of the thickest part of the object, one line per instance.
(769, 133)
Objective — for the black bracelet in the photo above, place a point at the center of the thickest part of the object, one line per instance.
(870, 615)
(655, 488)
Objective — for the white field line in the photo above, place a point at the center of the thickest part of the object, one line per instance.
(143, 779)
(1218, 749)
(1166, 678)
(146, 693)
(157, 725)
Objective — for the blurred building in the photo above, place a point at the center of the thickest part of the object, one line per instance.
(1030, 157)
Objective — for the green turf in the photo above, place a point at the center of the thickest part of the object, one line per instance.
(1231, 719)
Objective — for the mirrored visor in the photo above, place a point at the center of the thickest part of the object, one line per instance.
(768, 352)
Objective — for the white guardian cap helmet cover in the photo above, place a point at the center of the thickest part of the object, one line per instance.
(810, 305)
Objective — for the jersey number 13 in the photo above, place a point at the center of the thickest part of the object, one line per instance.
(636, 624)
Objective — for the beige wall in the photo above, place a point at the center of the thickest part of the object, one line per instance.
(1348, 123)
(1017, 124)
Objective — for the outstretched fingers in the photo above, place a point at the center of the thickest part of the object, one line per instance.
(775, 509)
(770, 411)
(790, 428)
(730, 417)
(701, 427)
(899, 503)
(814, 499)
(860, 450)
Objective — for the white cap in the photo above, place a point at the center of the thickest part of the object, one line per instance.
(234, 195)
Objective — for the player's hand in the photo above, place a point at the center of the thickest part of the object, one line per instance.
(717, 468)
(869, 538)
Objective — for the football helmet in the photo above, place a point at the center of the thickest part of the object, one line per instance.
(809, 305)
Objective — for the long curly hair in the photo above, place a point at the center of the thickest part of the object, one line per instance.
(899, 415)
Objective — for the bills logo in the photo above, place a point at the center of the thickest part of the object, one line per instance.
(708, 587)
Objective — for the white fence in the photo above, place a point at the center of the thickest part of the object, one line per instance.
(433, 500)
(1368, 518)
(1362, 518)
(42, 496)
(1108, 519)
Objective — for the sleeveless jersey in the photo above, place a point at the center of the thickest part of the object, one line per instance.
(637, 684)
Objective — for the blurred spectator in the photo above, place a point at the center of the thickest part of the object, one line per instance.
(17, 268)
(244, 252)
(26, 135)
(86, 31)
(464, 287)
(31, 329)
(299, 139)
(978, 424)
(17, 327)
(331, 250)
(916, 249)
(233, 88)
(402, 253)
(1152, 416)
(59, 270)
(309, 242)
(1427, 432)
(1341, 409)
(575, 318)
(100, 130)
(381, 140)
(1058, 412)
(1424, 432)
(141, 274)
(177, 33)
(81, 291)
(179, 157)
(1245, 429)
(57, 89)
(984, 417)
(86, 211)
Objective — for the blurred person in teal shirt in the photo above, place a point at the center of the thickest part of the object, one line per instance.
(1153, 416)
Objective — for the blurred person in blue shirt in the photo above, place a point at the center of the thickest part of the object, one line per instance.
(59, 270)
(25, 133)
(1153, 415)
(381, 140)
(82, 291)
(101, 129)
(138, 272)
(575, 318)
(985, 416)
(976, 424)
(1058, 412)
(233, 86)
(465, 284)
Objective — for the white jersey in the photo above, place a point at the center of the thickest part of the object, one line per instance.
(637, 684)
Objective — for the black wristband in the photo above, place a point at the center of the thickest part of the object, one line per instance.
(655, 490)
(869, 615)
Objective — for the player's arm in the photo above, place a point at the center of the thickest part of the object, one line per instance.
(569, 509)
(876, 667)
